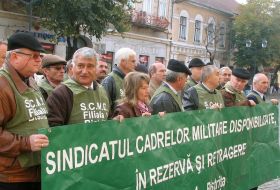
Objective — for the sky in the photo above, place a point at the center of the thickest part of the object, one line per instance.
(241, 1)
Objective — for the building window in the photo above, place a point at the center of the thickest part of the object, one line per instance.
(162, 8)
(144, 60)
(183, 28)
(211, 34)
(147, 6)
(197, 31)
(222, 35)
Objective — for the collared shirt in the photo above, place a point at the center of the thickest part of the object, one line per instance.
(175, 92)
(205, 86)
(261, 94)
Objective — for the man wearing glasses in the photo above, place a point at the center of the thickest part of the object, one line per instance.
(53, 68)
(22, 113)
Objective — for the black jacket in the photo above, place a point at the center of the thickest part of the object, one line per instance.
(164, 102)
(110, 86)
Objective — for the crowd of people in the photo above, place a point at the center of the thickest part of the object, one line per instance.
(82, 91)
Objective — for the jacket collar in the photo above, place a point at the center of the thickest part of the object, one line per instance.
(118, 72)
(207, 89)
(19, 83)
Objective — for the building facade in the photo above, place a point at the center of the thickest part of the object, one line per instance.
(13, 18)
(149, 34)
(161, 29)
(201, 23)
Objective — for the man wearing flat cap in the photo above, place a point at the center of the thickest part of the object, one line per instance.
(204, 95)
(196, 65)
(53, 68)
(23, 112)
(167, 97)
(233, 91)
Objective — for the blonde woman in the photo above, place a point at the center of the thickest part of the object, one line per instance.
(135, 102)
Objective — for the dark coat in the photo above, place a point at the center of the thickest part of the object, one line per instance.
(164, 102)
(110, 86)
(127, 110)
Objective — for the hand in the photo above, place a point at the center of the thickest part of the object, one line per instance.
(161, 113)
(119, 118)
(215, 106)
(274, 101)
(252, 103)
(38, 141)
(146, 114)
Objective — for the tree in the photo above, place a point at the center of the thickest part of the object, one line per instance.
(258, 23)
(71, 18)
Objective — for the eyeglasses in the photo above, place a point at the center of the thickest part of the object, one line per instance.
(33, 56)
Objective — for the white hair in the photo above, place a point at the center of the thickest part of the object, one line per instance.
(222, 70)
(123, 53)
(207, 71)
(84, 52)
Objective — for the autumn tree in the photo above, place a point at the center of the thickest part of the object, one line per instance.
(256, 34)
(71, 18)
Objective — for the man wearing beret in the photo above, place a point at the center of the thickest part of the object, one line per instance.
(53, 68)
(196, 65)
(204, 95)
(233, 91)
(22, 113)
(167, 97)
(80, 99)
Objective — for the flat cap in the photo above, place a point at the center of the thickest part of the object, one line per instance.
(241, 73)
(178, 66)
(24, 40)
(196, 62)
(50, 59)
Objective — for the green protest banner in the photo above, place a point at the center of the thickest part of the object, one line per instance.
(233, 149)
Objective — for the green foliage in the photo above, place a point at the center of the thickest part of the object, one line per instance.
(258, 20)
(70, 17)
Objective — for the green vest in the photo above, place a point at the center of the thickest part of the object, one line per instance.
(119, 85)
(165, 89)
(29, 117)
(88, 105)
(43, 83)
(190, 83)
(259, 98)
(207, 99)
(239, 96)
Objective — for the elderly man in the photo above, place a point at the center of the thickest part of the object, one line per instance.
(22, 113)
(157, 72)
(125, 60)
(225, 74)
(196, 65)
(101, 70)
(79, 99)
(3, 50)
(53, 68)
(204, 95)
(233, 91)
(167, 97)
(260, 86)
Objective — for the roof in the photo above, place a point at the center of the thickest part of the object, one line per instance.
(226, 6)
